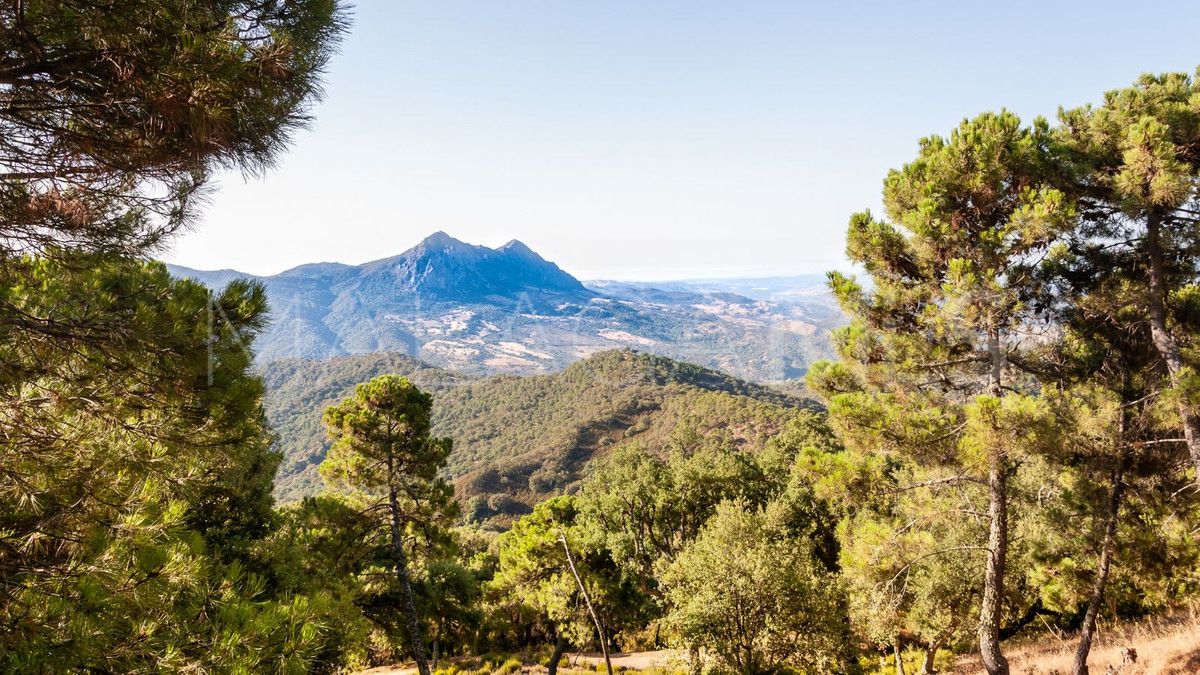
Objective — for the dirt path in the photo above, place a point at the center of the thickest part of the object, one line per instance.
(1164, 646)
(672, 660)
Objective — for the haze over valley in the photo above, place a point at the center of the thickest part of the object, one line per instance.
(477, 310)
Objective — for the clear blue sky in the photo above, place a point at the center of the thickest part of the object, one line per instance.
(650, 140)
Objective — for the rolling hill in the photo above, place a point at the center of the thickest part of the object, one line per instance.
(518, 439)
(481, 311)
(299, 390)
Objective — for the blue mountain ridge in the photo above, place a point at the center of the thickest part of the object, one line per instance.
(507, 309)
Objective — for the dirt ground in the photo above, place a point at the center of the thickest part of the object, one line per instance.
(665, 659)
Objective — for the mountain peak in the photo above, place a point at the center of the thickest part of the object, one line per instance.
(440, 239)
(517, 247)
(444, 268)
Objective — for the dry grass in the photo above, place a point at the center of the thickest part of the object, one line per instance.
(663, 660)
(1165, 646)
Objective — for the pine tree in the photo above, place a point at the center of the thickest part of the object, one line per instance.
(932, 359)
(382, 447)
(135, 470)
(113, 114)
(1107, 376)
(1136, 175)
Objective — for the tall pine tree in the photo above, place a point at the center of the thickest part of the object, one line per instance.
(1136, 161)
(931, 363)
(382, 447)
(135, 474)
(134, 463)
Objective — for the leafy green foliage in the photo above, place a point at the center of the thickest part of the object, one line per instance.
(324, 548)
(535, 584)
(758, 602)
(533, 570)
(647, 509)
(646, 506)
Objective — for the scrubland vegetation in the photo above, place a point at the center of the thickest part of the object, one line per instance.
(519, 439)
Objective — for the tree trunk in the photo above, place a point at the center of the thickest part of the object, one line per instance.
(408, 605)
(899, 654)
(1107, 549)
(929, 665)
(560, 647)
(587, 600)
(993, 581)
(997, 553)
(695, 664)
(1164, 341)
(434, 660)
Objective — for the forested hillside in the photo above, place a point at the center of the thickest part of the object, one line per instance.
(299, 390)
(521, 438)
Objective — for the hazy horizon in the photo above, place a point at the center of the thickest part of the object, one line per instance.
(706, 276)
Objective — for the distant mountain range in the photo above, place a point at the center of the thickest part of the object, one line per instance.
(479, 310)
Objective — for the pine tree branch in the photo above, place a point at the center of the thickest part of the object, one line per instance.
(937, 481)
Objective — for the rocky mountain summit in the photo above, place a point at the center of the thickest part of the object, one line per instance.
(481, 310)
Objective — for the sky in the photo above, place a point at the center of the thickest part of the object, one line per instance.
(654, 140)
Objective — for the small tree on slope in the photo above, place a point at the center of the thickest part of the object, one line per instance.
(383, 447)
